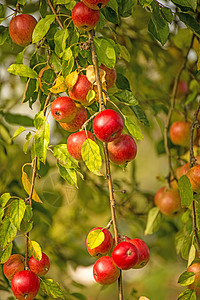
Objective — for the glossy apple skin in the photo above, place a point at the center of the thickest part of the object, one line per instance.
(122, 150)
(96, 4)
(25, 285)
(75, 142)
(180, 133)
(85, 18)
(105, 247)
(125, 255)
(143, 252)
(108, 125)
(168, 201)
(111, 75)
(21, 28)
(14, 264)
(79, 119)
(105, 271)
(39, 267)
(195, 268)
(193, 175)
(80, 90)
(63, 109)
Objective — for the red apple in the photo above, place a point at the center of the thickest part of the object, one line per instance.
(180, 133)
(123, 238)
(14, 264)
(75, 142)
(180, 171)
(25, 285)
(122, 150)
(63, 109)
(39, 267)
(195, 268)
(105, 271)
(143, 252)
(111, 76)
(168, 201)
(105, 246)
(79, 119)
(125, 255)
(108, 125)
(85, 18)
(21, 28)
(96, 4)
(193, 175)
(182, 88)
(80, 90)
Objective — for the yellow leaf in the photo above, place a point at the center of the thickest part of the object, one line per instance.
(59, 86)
(27, 186)
(90, 73)
(35, 249)
(71, 80)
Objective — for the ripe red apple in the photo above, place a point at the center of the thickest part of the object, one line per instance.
(25, 285)
(168, 201)
(80, 90)
(180, 171)
(195, 268)
(14, 264)
(125, 255)
(108, 125)
(180, 133)
(143, 252)
(122, 150)
(21, 28)
(193, 175)
(111, 76)
(182, 88)
(85, 18)
(63, 109)
(39, 267)
(106, 245)
(96, 4)
(79, 119)
(75, 142)
(123, 238)
(105, 271)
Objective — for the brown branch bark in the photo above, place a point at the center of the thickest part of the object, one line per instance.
(54, 12)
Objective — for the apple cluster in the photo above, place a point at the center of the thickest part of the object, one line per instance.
(25, 284)
(127, 254)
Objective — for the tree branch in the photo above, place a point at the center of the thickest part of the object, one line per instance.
(54, 12)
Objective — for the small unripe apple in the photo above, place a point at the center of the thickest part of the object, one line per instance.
(39, 267)
(21, 28)
(63, 109)
(25, 285)
(80, 90)
(105, 271)
(108, 125)
(125, 255)
(79, 119)
(96, 4)
(106, 244)
(180, 133)
(111, 75)
(85, 18)
(143, 252)
(193, 175)
(122, 150)
(14, 264)
(75, 142)
(195, 268)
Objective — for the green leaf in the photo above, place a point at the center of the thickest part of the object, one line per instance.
(90, 96)
(67, 66)
(4, 199)
(90, 152)
(26, 144)
(4, 134)
(186, 3)
(145, 2)
(42, 28)
(167, 14)
(110, 15)
(105, 51)
(60, 38)
(187, 295)
(22, 70)
(190, 22)
(52, 289)
(7, 232)
(122, 82)
(6, 253)
(18, 119)
(186, 278)
(26, 227)
(16, 212)
(1, 213)
(153, 221)
(28, 214)
(78, 296)
(68, 174)
(95, 238)
(126, 7)
(124, 53)
(140, 115)
(35, 249)
(61, 153)
(134, 130)
(185, 190)
(192, 255)
(18, 132)
(186, 245)
(22, 2)
(126, 97)
(42, 136)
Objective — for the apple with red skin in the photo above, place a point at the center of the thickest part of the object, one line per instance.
(21, 28)
(193, 175)
(14, 264)
(79, 119)
(63, 109)
(105, 270)
(75, 142)
(122, 150)
(182, 88)
(108, 125)
(123, 238)
(143, 252)
(105, 247)
(39, 267)
(85, 18)
(180, 133)
(96, 4)
(111, 75)
(195, 268)
(168, 201)
(25, 285)
(125, 255)
(80, 90)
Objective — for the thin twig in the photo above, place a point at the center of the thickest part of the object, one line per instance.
(194, 125)
(54, 12)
